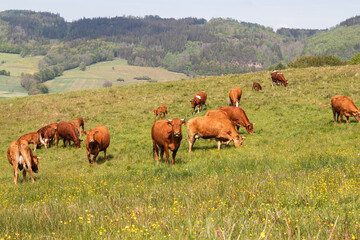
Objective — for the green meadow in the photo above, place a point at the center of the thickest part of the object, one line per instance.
(95, 75)
(296, 177)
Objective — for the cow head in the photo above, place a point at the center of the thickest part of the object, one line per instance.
(238, 141)
(176, 124)
(155, 111)
(193, 103)
(250, 128)
(77, 142)
(34, 164)
(285, 83)
(357, 116)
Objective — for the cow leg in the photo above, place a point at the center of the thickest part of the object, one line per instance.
(341, 117)
(219, 145)
(31, 174)
(24, 175)
(64, 141)
(104, 155)
(95, 156)
(192, 140)
(162, 154)
(194, 111)
(173, 157)
(156, 151)
(57, 139)
(35, 145)
(347, 119)
(16, 171)
(166, 148)
(88, 155)
(334, 115)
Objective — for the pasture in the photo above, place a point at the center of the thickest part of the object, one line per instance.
(296, 177)
(95, 75)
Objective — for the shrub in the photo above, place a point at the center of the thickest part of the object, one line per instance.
(120, 80)
(280, 66)
(82, 66)
(142, 78)
(316, 61)
(355, 59)
(107, 83)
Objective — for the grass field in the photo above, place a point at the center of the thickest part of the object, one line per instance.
(296, 177)
(95, 75)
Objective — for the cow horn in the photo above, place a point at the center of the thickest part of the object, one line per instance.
(183, 119)
(170, 120)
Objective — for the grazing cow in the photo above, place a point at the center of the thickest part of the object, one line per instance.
(97, 140)
(342, 105)
(47, 134)
(209, 127)
(77, 123)
(32, 137)
(238, 116)
(235, 96)
(67, 131)
(278, 78)
(217, 114)
(256, 86)
(199, 101)
(159, 111)
(21, 157)
(167, 134)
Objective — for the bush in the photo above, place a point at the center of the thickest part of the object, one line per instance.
(107, 83)
(142, 78)
(316, 61)
(82, 66)
(280, 66)
(120, 80)
(5, 73)
(355, 59)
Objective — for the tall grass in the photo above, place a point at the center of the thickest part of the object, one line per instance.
(297, 177)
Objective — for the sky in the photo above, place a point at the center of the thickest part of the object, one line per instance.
(305, 14)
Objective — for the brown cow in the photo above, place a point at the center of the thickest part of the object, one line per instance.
(77, 123)
(159, 111)
(97, 140)
(47, 134)
(235, 96)
(238, 116)
(68, 132)
(217, 114)
(342, 105)
(199, 101)
(21, 157)
(256, 86)
(33, 137)
(210, 127)
(278, 78)
(167, 134)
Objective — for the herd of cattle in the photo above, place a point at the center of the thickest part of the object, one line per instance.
(166, 134)
(21, 156)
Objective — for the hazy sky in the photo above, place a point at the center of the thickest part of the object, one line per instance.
(310, 14)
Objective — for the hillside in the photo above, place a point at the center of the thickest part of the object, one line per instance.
(297, 176)
(191, 46)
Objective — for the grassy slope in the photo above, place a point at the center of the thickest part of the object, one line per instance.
(298, 168)
(96, 74)
(10, 86)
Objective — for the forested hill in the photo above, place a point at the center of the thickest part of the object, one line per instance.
(192, 46)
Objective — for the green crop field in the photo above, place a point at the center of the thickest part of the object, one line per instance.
(296, 177)
(16, 65)
(95, 75)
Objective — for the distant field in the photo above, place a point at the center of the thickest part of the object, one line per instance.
(95, 75)
(16, 65)
(10, 87)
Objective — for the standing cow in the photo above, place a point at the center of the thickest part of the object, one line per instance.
(209, 127)
(256, 86)
(235, 96)
(278, 78)
(167, 134)
(342, 105)
(160, 111)
(21, 157)
(47, 134)
(77, 123)
(238, 116)
(199, 101)
(32, 137)
(97, 140)
(67, 132)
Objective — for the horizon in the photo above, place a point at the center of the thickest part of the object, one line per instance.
(297, 14)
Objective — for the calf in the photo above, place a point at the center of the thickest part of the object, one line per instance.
(47, 134)
(235, 96)
(160, 111)
(278, 78)
(67, 131)
(256, 86)
(77, 123)
(238, 116)
(166, 134)
(209, 127)
(199, 101)
(32, 137)
(21, 157)
(97, 140)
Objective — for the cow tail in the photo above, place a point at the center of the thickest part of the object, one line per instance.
(325, 105)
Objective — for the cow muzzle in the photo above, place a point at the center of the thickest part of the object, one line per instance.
(177, 134)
